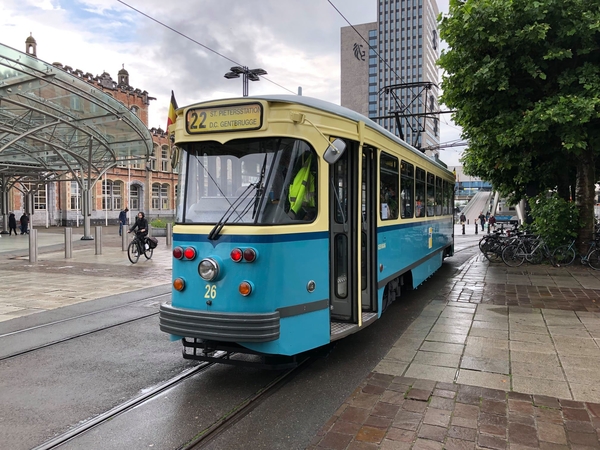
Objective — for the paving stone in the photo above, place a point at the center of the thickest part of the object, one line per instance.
(543, 400)
(407, 420)
(385, 410)
(378, 422)
(442, 403)
(370, 434)
(548, 415)
(463, 433)
(335, 441)
(549, 432)
(466, 411)
(579, 427)
(578, 438)
(398, 434)
(519, 406)
(356, 415)
(492, 424)
(388, 444)
(493, 406)
(522, 435)
(426, 444)
(345, 427)
(437, 417)
(418, 394)
(493, 442)
(432, 432)
(521, 418)
(356, 445)
(363, 400)
(462, 422)
(575, 414)
(458, 444)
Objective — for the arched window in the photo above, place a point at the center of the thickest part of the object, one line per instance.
(136, 110)
(153, 156)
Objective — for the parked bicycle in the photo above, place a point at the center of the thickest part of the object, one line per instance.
(492, 245)
(139, 246)
(530, 248)
(566, 254)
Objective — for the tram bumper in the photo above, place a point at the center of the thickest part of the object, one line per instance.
(218, 326)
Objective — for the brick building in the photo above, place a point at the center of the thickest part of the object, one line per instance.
(148, 186)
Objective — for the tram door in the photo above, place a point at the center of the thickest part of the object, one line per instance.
(352, 228)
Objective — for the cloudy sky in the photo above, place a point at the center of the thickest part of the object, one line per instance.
(296, 42)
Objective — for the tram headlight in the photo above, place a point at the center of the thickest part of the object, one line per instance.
(208, 269)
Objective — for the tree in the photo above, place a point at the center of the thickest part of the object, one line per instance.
(524, 79)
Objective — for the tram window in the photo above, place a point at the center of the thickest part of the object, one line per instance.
(439, 196)
(420, 193)
(407, 187)
(430, 194)
(447, 197)
(389, 187)
(341, 265)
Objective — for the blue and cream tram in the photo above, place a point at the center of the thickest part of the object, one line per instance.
(298, 223)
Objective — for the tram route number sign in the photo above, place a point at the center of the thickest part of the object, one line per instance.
(246, 116)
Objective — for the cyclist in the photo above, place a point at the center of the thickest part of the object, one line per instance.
(141, 227)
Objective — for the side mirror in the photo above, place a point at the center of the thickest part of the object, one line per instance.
(174, 156)
(334, 151)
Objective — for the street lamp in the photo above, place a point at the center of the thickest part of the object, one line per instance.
(247, 74)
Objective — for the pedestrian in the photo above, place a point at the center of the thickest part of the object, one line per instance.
(492, 223)
(122, 219)
(24, 223)
(481, 219)
(12, 224)
(463, 218)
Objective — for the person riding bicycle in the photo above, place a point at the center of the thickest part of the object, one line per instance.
(141, 227)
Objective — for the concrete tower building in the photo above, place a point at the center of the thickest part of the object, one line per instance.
(389, 71)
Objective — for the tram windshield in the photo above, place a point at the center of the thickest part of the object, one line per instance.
(248, 181)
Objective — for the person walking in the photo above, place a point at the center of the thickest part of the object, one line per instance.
(463, 218)
(24, 223)
(492, 223)
(122, 220)
(12, 224)
(481, 219)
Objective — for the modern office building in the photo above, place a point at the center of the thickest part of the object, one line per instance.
(389, 71)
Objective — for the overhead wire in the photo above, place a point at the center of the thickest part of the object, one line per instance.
(198, 43)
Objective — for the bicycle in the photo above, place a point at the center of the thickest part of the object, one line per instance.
(566, 254)
(528, 248)
(138, 247)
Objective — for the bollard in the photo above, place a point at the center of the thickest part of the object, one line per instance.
(68, 242)
(124, 240)
(463, 226)
(98, 238)
(169, 240)
(33, 246)
(475, 227)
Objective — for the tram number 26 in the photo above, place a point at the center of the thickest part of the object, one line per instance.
(211, 291)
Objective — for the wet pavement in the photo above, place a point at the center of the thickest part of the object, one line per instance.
(503, 358)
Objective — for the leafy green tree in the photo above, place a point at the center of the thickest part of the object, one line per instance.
(524, 78)
(555, 219)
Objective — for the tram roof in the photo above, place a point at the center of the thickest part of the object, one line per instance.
(344, 112)
(53, 122)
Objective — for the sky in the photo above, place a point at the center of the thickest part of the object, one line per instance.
(296, 42)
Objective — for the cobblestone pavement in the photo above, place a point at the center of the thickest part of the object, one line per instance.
(503, 358)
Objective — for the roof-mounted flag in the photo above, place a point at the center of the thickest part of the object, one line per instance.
(172, 109)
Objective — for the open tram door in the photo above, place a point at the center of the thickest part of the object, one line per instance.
(353, 224)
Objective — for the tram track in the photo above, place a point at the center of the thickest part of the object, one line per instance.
(210, 433)
(123, 408)
(83, 333)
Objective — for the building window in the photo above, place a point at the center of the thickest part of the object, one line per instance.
(164, 158)
(134, 109)
(160, 196)
(75, 196)
(111, 195)
(153, 157)
(134, 197)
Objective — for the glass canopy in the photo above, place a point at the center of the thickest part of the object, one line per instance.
(54, 123)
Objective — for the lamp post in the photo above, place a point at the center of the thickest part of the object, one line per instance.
(247, 74)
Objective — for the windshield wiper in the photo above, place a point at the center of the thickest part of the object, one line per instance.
(215, 232)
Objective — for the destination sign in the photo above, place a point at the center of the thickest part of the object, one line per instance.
(213, 119)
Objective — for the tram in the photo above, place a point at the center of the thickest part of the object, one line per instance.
(298, 222)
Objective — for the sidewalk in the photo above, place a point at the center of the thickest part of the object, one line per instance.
(504, 358)
(53, 281)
